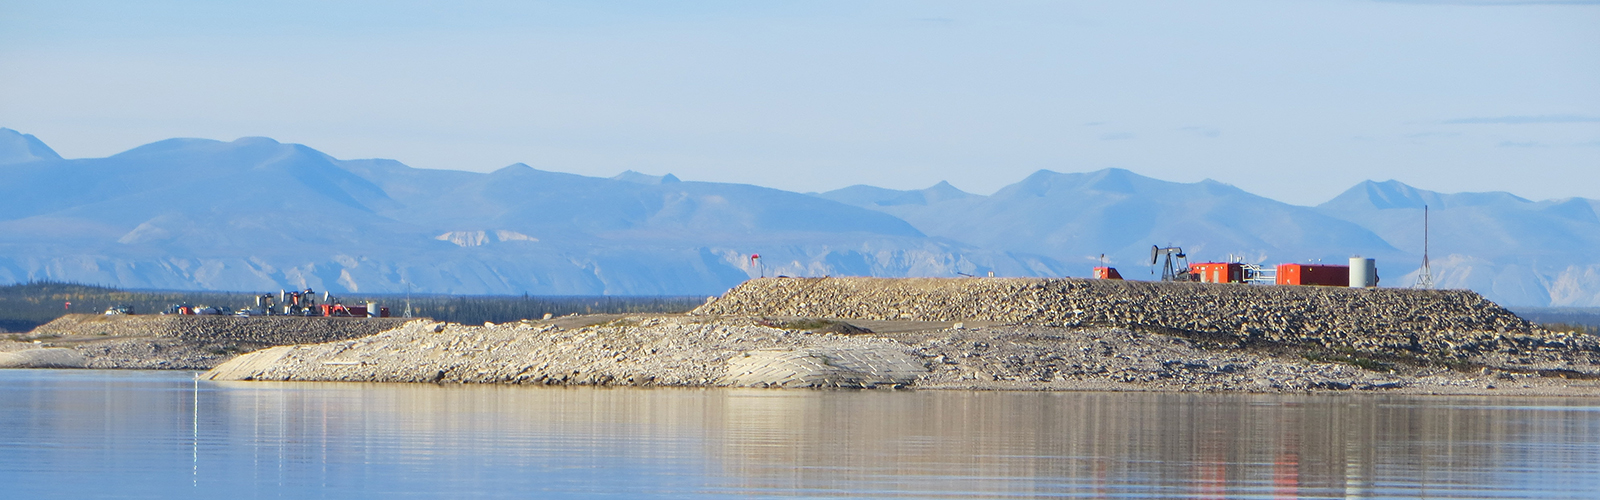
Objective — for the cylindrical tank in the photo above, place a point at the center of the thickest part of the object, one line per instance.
(1363, 272)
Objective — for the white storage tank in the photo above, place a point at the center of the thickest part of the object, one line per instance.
(1363, 272)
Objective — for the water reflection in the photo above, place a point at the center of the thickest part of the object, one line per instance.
(162, 434)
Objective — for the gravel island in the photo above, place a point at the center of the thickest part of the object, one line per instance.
(1008, 334)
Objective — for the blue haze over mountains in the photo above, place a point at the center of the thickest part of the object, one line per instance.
(257, 215)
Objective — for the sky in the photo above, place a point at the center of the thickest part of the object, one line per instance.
(1296, 100)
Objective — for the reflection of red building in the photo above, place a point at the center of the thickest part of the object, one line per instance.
(1286, 476)
(1211, 480)
(1313, 274)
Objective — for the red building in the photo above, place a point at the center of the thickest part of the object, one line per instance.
(1107, 273)
(1313, 274)
(1217, 272)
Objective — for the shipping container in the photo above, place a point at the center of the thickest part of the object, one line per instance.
(1217, 272)
(1313, 274)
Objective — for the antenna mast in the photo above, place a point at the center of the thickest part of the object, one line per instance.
(1425, 275)
(408, 299)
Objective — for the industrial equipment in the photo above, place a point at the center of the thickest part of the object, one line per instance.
(1260, 275)
(1165, 256)
(1218, 272)
(1313, 274)
(1363, 272)
(298, 303)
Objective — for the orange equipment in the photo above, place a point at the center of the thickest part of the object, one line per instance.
(341, 310)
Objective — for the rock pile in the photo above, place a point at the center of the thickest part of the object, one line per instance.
(649, 351)
(1456, 324)
(186, 342)
(266, 330)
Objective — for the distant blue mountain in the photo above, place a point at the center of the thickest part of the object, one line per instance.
(1075, 218)
(640, 178)
(872, 197)
(1518, 251)
(17, 147)
(1511, 249)
(255, 214)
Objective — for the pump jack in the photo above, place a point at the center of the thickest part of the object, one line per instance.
(1168, 271)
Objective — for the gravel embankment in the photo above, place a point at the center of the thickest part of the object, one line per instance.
(1441, 324)
(728, 351)
(185, 342)
(647, 351)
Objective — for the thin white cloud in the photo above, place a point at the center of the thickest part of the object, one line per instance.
(1494, 2)
(1524, 120)
(1208, 132)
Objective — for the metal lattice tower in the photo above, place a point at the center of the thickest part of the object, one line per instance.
(1425, 275)
(408, 299)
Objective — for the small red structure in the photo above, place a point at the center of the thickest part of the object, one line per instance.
(1217, 272)
(1107, 273)
(1313, 274)
(341, 310)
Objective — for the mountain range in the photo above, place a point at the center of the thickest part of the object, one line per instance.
(255, 214)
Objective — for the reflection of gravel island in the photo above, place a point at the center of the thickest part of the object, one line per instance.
(1059, 334)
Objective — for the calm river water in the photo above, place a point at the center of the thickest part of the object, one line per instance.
(88, 433)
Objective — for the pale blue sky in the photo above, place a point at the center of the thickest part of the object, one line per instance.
(1295, 100)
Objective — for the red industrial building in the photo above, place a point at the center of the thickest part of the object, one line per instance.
(1107, 273)
(1313, 274)
(1217, 272)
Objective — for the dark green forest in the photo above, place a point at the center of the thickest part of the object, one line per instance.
(27, 305)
